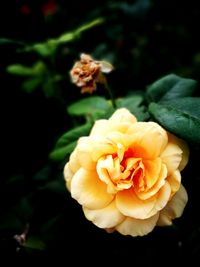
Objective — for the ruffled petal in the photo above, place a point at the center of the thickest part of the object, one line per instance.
(130, 205)
(137, 227)
(68, 175)
(175, 181)
(84, 154)
(89, 190)
(100, 127)
(150, 139)
(156, 187)
(184, 147)
(162, 198)
(152, 171)
(172, 157)
(107, 217)
(73, 162)
(174, 208)
(122, 115)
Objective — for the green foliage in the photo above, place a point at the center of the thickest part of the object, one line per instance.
(67, 142)
(170, 87)
(179, 116)
(89, 107)
(49, 47)
(135, 104)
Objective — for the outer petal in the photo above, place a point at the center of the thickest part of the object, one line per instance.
(172, 156)
(174, 208)
(84, 153)
(89, 190)
(136, 227)
(184, 147)
(101, 127)
(107, 217)
(162, 199)
(130, 205)
(68, 175)
(150, 139)
(156, 187)
(122, 115)
(175, 181)
(73, 162)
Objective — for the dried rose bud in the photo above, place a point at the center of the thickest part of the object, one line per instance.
(87, 72)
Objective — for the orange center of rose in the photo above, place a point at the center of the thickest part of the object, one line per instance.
(122, 170)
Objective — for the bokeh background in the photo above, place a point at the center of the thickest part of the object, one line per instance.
(144, 40)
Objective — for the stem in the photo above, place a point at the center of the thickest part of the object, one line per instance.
(111, 95)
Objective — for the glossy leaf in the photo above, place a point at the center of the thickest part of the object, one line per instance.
(181, 117)
(170, 87)
(134, 105)
(89, 106)
(67, 142)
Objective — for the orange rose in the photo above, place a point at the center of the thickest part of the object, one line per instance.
(126, 175)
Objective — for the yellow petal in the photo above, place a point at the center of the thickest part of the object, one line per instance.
(102, 146)
(107, 217)
(150, 139)
(174, 208)
(175, 181)
(156, 187)
(184, 147)
(84, 153)
(73, 162)
(152, 171)
(172, 156)
(122, 115)
(89, 190)
(137, 227)
(162, 198)
(68, 175)
(101, 127)
(130, 205)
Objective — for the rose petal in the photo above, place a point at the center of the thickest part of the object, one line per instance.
(130, 205)
(174, 208)
(84, 153)
(137, 227)
(68, 175)
(73, 162)
(152, 171)
(172, 156)
(162, 198)
(175, 181)
(156, 187)
(184, 147)
(89, 190)
(122, 115)
(150, 139)
(100, 127)
(107, 217)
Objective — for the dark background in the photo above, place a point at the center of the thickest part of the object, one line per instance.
(144, 40)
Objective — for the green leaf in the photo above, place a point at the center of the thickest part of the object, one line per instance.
(170, 87)
(31, 84)
(49, 47)
(34, 242)
(89, 106)
(61, 153)
(67, 142)
(134, 105)
(179, 116)
(19, 69)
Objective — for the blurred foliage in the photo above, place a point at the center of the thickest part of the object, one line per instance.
(40, 40)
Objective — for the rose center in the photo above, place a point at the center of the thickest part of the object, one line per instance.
(122, 171)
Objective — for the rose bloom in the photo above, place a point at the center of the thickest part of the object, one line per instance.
(87, 72)
(126, 175)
